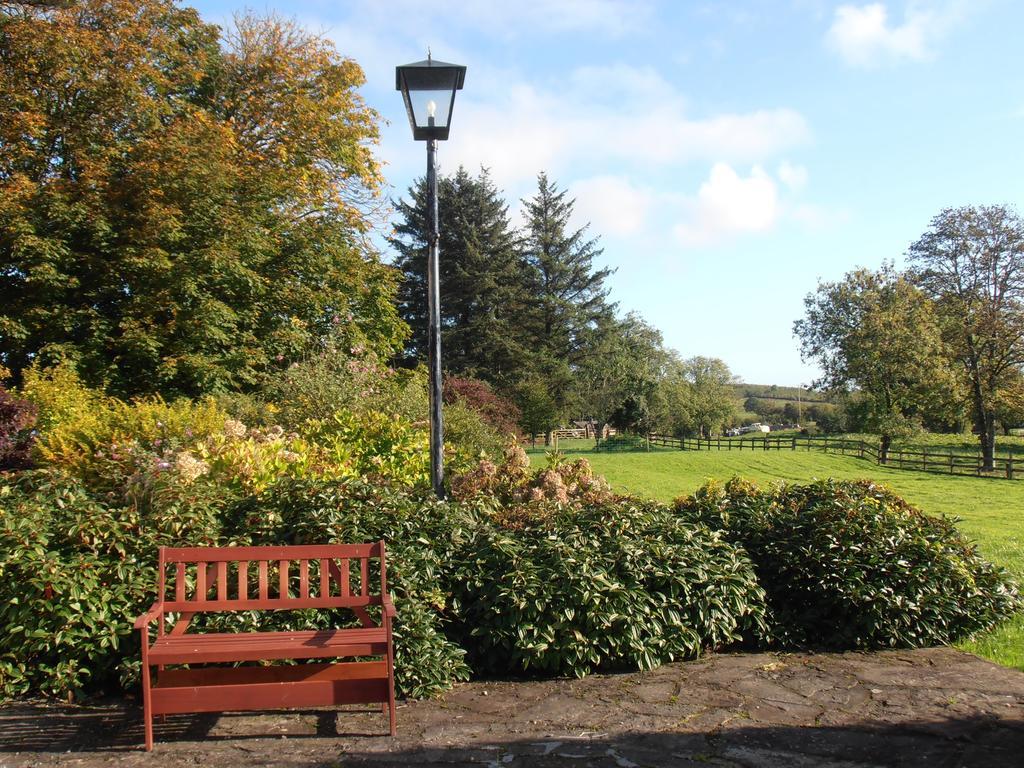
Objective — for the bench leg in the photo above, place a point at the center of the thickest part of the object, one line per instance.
(147, 707)
(391, 681)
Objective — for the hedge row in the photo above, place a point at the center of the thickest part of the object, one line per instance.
(564, 588)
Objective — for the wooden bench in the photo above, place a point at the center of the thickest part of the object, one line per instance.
(194, 580)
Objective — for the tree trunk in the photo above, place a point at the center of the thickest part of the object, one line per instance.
(547, 438)
(598, 432)
(987, 435)
(883, 449)
(984, 420)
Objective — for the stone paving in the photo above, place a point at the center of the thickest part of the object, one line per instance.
(938, 708)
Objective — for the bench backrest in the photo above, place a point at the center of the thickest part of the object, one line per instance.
(196, 579)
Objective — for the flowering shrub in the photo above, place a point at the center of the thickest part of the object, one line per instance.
(512, 484)
(374, 445)
(105, 441)
(523, 570)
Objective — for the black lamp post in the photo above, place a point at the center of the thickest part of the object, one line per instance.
(428, 88)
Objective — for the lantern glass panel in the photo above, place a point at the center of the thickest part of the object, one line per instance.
(427, 104)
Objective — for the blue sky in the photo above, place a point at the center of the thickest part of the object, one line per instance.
(729, 155)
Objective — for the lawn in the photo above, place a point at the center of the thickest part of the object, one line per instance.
(991, 510)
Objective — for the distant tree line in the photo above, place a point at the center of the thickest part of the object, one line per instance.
(937, 346)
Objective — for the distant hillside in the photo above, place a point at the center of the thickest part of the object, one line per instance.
(775, 392)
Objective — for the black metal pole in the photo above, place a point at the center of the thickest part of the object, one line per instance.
(434, 335)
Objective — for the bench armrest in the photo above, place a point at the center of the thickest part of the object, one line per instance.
(389, 607)
(153, 613)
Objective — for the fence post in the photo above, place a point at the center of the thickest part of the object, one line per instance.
(1009, 467)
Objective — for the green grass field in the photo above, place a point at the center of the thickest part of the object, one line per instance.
(991, 510)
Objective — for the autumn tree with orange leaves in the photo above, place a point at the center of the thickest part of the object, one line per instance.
(182, 210)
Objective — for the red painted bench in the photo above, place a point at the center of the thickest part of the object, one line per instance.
(194, 580)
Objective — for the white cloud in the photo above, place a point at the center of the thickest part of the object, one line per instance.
(729, 204)
(793, 176)
(612, 205)
(864, 36)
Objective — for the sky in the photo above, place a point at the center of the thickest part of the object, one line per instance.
(729, 155)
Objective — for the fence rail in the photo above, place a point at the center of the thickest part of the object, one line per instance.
(945, 462)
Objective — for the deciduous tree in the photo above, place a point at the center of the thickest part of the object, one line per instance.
(625, 362)
(876, 333)
(181, 214)
(971, 262)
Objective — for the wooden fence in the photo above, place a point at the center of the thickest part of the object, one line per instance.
(944, 461)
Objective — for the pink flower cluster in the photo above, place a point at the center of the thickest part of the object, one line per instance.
(511, 482)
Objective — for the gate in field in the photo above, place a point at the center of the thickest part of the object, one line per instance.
(947, 462)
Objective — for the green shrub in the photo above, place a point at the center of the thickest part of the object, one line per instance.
(850, 565)
(71, 580)
(616, 585)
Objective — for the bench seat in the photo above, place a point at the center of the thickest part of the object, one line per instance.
(268, 646)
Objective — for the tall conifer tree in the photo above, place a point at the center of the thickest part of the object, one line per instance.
(570, 300)
(482, 278)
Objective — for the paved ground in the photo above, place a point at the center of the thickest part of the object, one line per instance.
(937, 708)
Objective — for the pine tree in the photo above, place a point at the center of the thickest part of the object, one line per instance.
(569, 293)
(570, 300)
(482, 278)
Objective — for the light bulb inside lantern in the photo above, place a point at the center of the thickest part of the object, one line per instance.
(431, 108)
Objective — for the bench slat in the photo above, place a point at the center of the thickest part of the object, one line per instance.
(364, 581)
(243, 579)
(264, 646)
(304, 579)
(264, 592)
(200, 581)
(291, 552)
(273, 604)
(325, 579)
(179, 583)
(282, 579)
(245, 688)
(222, 580)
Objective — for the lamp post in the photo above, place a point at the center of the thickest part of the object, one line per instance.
(428, 89)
